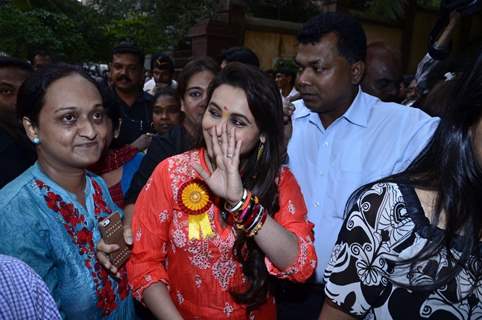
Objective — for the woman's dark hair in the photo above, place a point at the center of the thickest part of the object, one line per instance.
(31, 95)
(112, 110)
(191, 68)
(167, 92)
(164, 91)
(351, 39)
(111, 106)
(436, 102)
(449, 166)
(240, 54)
(258, 175)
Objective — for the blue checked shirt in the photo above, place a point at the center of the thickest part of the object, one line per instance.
(23, 294)
(373, 139)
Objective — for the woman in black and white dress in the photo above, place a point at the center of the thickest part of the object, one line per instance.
(410, 246)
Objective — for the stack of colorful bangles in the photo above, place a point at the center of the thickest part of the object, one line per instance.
(249, 215)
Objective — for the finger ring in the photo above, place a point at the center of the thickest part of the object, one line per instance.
(229, 155)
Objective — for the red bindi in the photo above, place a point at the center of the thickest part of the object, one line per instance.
(225, 108)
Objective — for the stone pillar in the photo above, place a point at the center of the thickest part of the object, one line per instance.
(226, 29)
(209, 38)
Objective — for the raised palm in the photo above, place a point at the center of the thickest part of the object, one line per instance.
(225, 180)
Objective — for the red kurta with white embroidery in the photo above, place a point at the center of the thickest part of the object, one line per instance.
(200, 273)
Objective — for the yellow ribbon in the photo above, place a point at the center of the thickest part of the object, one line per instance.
(199, 226)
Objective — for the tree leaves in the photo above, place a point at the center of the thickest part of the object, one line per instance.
(155, 25)
(70, 38)
(78, 33)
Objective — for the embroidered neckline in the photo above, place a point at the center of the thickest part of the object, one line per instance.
(76, 227)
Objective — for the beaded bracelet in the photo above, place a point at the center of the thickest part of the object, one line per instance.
(251, 223)
(260, 224)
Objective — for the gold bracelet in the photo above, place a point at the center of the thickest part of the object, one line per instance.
(258, 227)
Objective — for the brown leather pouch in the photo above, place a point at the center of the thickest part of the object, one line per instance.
(112, 232)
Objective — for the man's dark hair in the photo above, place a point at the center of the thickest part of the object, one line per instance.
(162, 61)
(352, 41)
(165, 91)
(39, 52)
(129, 47)
(287, 71)
(9, 62)
(240, 54)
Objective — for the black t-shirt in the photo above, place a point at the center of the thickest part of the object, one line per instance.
(175, 141)
(16, 156)
(136, 119)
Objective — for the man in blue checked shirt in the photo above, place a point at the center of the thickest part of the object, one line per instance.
(23, 294)
(342, 139)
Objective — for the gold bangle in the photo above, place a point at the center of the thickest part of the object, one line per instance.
(259, 225)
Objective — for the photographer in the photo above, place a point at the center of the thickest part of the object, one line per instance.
(451, 12)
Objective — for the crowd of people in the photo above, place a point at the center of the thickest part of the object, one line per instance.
(327, 192)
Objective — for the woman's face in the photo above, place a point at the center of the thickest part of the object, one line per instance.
(166, 113)
(72, 126)
(229, 106)
(193, 103)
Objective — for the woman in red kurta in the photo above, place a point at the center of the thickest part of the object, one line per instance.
(211, 224)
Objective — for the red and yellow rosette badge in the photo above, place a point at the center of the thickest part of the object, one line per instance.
(194, 198)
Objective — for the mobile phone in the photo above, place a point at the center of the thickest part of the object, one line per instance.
(112, 231)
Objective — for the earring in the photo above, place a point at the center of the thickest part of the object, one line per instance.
(260, 151)
(259, 154)
(36, 141)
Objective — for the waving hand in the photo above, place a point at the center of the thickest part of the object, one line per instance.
(225, 180)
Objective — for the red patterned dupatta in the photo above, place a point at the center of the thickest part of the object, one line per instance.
(114, 159)
(111, 161)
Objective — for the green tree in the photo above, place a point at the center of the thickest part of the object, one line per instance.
(136, 27)
(153, 24)
(26, 26)
(80, 33)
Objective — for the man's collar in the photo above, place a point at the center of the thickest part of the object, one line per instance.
(300, 109)
(358, 112)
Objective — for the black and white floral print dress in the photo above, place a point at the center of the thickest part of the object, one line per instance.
(387, 225)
